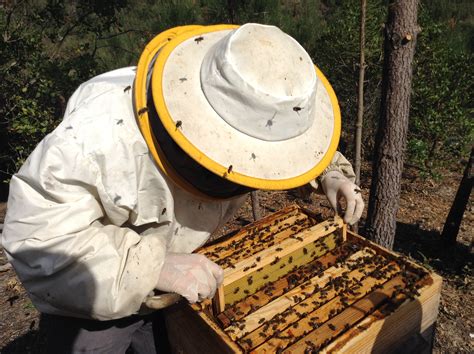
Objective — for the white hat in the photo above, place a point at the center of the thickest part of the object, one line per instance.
(246, 103)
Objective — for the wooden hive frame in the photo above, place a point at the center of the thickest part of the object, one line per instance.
(294, 285)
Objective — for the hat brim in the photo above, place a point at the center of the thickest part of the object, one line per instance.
(194, 125)
(140, 106)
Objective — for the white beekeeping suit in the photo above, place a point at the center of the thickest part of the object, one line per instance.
(77, 206)
(97, 218)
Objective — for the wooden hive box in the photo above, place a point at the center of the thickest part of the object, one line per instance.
(294, 285)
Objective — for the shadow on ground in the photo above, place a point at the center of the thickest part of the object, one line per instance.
(31, 342)
(428, 248)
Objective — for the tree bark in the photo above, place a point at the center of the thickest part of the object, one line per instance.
(453, 221)
(401, 31)
(360, 101)
(255, 206)
(231, 8)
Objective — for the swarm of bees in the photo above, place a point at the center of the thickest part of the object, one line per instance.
(310, 298)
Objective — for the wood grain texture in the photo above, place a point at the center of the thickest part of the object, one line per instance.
(291, 280)
(218, 302)
(337, 293)
(317, 315)
(383, 329)
(281, 262)
(288, 245)
(259, 240)
(351, 315)
(243, 234)
(405, 261)
(300, 300)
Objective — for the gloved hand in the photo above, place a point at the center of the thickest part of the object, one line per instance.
(191, 275)
(336, 185)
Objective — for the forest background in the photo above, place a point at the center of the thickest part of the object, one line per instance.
(49, 47)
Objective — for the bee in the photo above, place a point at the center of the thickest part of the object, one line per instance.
(331, 327)
(297, 109)
(163, 211)
(127, 88)
(279, 249)
(198, 39)
(236, 290)
(261, 320)
(142, 110)
(229, 169)
(178, 124)
(275, 261)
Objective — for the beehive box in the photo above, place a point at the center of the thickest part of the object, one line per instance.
(295, 285)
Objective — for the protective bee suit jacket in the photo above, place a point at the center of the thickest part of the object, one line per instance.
(90, 216)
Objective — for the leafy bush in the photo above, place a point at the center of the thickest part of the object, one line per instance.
(49, 47)
(45, 55)
(441, 124)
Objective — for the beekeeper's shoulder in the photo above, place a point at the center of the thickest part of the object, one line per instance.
(99, 115)
(100, 85)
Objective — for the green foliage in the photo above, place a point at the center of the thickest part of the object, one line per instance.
(48, 47)
(441, 124)
(45, 55)
(337, 54)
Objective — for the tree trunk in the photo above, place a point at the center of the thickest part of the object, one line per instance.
(401, 31)
(231, 9)
(255, 206)
(360, 101)
(453, 221)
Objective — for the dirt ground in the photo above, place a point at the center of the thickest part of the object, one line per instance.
(423, 209)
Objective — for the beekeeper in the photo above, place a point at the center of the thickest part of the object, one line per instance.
(150, 160)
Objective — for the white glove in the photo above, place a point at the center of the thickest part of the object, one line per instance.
(336, 185)
(191, 275)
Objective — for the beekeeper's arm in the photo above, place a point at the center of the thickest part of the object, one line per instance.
(336, 181)
(70, 258)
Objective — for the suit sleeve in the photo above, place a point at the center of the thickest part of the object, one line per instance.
(338, 163)
(71, 258)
